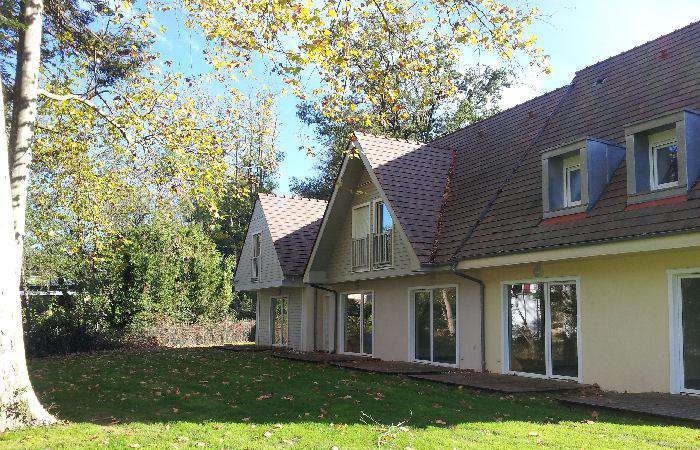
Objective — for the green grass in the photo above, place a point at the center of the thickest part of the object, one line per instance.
(206, 398)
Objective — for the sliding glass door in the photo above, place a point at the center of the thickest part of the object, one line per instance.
(279, 321)
(434, 314)
(542, 327)
(358, 323)
(689, 330)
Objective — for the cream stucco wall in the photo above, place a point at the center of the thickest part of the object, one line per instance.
(624, 310)
(391, 315)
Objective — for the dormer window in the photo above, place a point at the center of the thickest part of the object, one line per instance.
(255, 260)
(575, 175)
(572, 181)
(663, 156)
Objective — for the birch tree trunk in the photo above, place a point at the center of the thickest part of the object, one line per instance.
(19, 405)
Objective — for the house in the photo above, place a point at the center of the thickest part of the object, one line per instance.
(278, 243)
(559, 238)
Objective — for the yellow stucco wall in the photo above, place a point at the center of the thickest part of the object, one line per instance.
(624, 308)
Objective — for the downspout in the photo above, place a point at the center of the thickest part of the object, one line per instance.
(335, 314)
(315, 315)
(482, 293)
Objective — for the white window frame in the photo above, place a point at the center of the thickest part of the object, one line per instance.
(369, 237)
(272, 320)
(374, 230)
(341, 322)
(654, 173)
(256, 276)
(505, 332)
(676, 328)
(568, 203)
(412, 325)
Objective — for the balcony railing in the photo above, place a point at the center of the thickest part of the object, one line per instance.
(381, 249)
(360, 253)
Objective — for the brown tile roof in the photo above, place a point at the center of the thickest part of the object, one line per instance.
(294, 224)
(494, 202)
(412, 175)
(640, 84)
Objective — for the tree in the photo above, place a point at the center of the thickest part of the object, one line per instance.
(327, 40)
(18, 402)
(431, 114)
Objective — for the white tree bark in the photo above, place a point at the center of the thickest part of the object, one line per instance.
(19, 405)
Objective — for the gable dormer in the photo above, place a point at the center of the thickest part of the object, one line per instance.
(575, 175)
(258, 265)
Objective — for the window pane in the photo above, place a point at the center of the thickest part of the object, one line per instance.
(421, 313)
(526, 304)
(384, 221)
(667, 164)
(360, 222)
(352, 322)
(445, 325)
(279, 321)
(690, 292)
(562, 303)
(367, 324)
(575, 185)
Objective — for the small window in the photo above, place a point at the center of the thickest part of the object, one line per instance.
(255, 261)
(360, 238)
(663, 160)
(382, 237)
(384, 222)
(572, 181)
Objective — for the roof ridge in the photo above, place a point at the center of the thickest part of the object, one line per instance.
(408, 141)
(291, 197)
(443, 206)
(499, 113)
(637, 47)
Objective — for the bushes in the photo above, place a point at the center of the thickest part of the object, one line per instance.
(161, 269)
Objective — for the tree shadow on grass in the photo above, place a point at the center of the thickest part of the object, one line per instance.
(209, 385)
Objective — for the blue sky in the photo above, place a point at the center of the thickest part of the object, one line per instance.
(574, 33)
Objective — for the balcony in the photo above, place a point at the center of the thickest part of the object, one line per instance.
(381, 249)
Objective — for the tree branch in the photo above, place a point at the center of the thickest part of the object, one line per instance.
(90, 104)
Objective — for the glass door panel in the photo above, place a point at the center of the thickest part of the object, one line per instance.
(564, 329)
(690, 317)
(352, 322)
(421, 321)
(445, 326)
(367, 324)
(527, 328)
(279, 321)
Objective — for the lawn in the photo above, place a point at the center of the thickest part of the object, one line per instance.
(207, 398)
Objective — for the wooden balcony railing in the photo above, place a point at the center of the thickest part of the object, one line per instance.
(360, 253)
(381, 249)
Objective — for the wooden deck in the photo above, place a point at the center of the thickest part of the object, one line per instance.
(243, 348)
(390, 367)
(499, 383)
(317, 357)
(677, 407)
